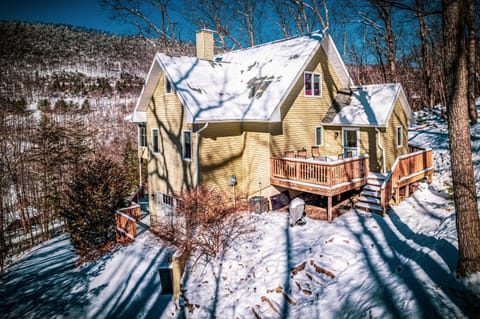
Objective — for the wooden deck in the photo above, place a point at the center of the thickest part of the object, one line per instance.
(319, 177)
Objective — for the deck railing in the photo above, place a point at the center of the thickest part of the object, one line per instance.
(320, 173)
(406, 169)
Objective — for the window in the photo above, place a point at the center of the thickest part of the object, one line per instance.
(399, 136)
(319, 135)
(168, 86)
(312, 84)
(142, 135)
(155, 140)
(187, 145)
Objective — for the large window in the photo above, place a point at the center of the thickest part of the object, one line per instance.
(155, 140)
(319, 135)
(187, 145)
(142, 135)
(399, 136)
(168, 86)
(312, 84)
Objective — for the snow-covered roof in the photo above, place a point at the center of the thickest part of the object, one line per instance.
(244, 85)
(370, 105)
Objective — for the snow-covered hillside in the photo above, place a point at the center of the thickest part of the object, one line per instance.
(359, 266)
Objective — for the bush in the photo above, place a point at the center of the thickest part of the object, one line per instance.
(204, 224)
(97, 189)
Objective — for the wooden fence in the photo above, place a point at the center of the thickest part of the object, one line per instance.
(126, 221)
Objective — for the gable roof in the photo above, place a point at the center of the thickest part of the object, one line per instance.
(243, 85)
(368, 105)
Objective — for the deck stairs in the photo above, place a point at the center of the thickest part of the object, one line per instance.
(370, 197)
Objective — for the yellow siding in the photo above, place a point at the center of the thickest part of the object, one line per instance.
(167, 171)
(302, 114)
(235, 149)
(389, 138)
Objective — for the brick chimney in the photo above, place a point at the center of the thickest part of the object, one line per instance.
(205, 44)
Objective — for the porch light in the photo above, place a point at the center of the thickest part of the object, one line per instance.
(232, 181)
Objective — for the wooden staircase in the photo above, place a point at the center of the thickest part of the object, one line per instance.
(370, 199)
(381, 190)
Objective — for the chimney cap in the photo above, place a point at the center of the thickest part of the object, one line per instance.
(205, 30)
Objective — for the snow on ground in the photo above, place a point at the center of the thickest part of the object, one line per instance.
(46, 283)
(359, 266)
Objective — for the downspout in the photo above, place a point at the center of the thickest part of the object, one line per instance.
(382, 149)
(197, 151)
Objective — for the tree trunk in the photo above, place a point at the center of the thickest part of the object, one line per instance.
(464, 193)
(471, 62)
(426, 54)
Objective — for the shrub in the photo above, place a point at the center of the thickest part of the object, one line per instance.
(97, 189)
(204, 224)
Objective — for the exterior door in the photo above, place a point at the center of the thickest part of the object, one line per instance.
(350, 142)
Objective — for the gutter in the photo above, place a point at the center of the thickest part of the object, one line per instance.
(197, 151)
(382, 149)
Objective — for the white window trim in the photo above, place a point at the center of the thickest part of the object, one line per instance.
(323, 133)
(313, 81)
(158, 144)
(183, 145)
(165, 81)
(356, 129)
(399, 142)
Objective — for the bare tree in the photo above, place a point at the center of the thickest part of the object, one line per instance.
(471, 62)
(464, 193)
(139, 14)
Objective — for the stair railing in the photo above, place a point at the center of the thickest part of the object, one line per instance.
(390, 184)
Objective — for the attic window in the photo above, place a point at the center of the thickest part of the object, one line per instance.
(312, 84)
(168, 86)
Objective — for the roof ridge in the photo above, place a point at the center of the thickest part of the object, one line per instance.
(320, 32)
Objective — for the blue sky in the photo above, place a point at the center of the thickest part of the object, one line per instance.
(85, 13)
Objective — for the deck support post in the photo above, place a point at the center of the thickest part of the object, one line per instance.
(329, 209)
(407, 190)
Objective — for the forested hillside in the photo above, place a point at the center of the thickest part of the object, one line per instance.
(64, 94)
(56, 61)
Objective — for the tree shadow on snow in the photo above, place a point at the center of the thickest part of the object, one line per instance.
(46, 284)
(397, 265)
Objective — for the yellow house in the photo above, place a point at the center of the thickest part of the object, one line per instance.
(227, 122)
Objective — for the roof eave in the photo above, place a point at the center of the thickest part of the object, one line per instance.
(354, 125)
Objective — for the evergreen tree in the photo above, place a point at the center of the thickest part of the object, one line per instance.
(97, 189)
